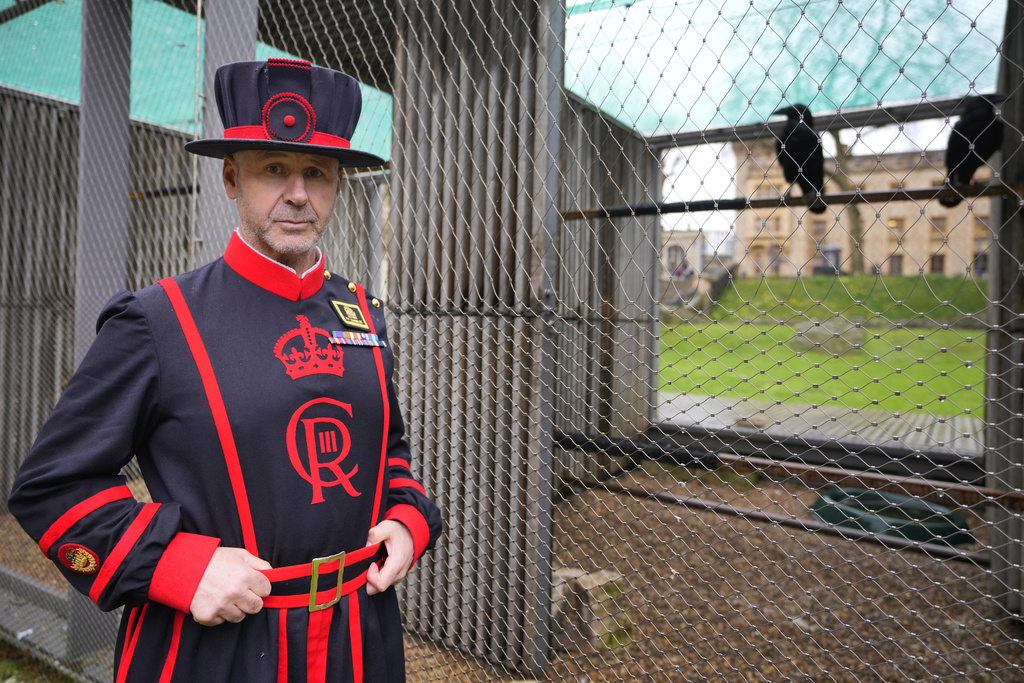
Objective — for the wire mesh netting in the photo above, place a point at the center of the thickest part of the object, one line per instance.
(707, 314)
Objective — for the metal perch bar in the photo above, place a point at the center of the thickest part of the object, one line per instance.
(838, 199)
(932, 549)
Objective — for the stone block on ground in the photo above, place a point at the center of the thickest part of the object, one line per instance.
(589, 609)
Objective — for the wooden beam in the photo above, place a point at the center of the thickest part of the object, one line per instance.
(835, 199)
(19, 8)
(862, 117)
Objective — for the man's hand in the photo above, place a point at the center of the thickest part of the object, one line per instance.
(232, 587)
(398, 541)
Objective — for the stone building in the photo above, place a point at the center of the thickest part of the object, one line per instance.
(897, 238)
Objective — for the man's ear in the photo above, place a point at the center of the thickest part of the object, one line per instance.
(229, 173)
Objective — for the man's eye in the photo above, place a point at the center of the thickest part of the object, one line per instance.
(316, 173)
(273, 168)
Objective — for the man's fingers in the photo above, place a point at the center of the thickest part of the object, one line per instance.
(260, 586)
(257, 563)
(390, 573)
(372, 575)
(233, 615)
(231, 588)
(251, 603)
(398, 540)
(234, 611)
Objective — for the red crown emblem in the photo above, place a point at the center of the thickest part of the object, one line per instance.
(303, 355)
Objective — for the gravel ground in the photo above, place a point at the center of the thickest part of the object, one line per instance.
(717, 597)
(20, 553)
(711, 596)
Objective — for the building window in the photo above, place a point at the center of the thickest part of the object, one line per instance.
(896, 264)
(938, 264)
(757, 253)
(771, 225)
(939, 231)
(896, 230)
(980, 264)
(676, 261)
(775, 255)
(818, 230)
(829, 263)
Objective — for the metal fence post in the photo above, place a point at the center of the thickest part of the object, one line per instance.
(230, 37)
(103, 216)
(1004, 453)
(551, 18)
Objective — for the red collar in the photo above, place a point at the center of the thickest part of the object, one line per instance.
(271, 275)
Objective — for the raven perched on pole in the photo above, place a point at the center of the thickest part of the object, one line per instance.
(800, 154)
(975, 137)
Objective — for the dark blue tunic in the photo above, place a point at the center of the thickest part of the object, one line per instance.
(310, 454)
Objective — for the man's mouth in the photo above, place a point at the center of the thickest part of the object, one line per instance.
(290, 224)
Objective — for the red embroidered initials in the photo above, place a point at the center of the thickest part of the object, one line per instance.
(318, 428)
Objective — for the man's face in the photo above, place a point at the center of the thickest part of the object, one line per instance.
(284, 201)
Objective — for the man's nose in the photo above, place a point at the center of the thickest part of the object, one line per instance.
(295, 192)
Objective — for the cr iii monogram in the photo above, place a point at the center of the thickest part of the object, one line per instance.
(319, 442)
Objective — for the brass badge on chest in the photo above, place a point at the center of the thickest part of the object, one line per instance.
(350, 315)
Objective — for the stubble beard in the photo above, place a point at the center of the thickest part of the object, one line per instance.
(261, 234)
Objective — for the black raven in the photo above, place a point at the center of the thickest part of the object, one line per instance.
(975, 137)
(800, 154)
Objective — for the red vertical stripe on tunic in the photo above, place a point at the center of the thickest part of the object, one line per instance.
(282, 646)
(131, 639)
(172, 651)
(355, 634)
(220, 413)
(361, 295)
(316, 645)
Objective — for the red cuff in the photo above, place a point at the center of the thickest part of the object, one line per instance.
(412, 519)
(180, 568)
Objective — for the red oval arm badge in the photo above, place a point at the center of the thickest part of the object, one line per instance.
(78, 558)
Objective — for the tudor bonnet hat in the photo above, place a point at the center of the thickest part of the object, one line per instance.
(286, 105)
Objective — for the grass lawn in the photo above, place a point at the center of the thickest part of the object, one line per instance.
(873, 298)
(19, 666)
(755, 344)
(941, 371)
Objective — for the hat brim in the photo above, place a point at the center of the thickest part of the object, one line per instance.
(347, 158)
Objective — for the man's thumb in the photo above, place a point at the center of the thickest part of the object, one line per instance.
(256, 562)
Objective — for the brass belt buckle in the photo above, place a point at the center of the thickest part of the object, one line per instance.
(314, 606)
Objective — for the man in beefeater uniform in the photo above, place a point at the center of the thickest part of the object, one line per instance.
(256, 393)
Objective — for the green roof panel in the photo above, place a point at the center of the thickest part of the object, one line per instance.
(40, 52)
(670, 66)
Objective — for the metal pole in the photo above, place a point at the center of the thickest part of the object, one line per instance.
(230, 37)
(1004, 454)
(550, 36)
(654, 189)
(103, 214)
(375, 186)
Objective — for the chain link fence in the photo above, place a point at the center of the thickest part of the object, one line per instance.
(688, 417)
